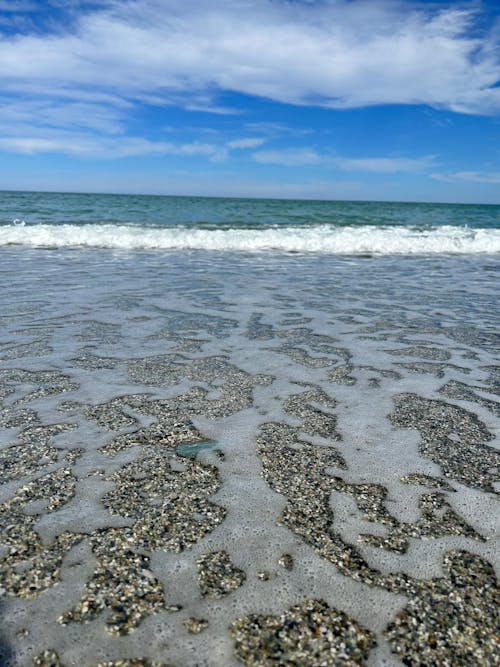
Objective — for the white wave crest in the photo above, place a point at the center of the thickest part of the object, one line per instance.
(321, 238)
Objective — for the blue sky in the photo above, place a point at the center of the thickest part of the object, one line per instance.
(334, 99)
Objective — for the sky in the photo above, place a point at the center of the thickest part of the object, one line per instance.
(321, 99)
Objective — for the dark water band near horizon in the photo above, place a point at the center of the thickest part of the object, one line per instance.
(248, 433)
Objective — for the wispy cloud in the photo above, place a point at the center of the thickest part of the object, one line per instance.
(84, 146)
(82, 115)
(272, 129)
(246, 142)
(385, 165)
(492, 177)
(15, 6)
(290, 157)
(64, 140)
(299, 157)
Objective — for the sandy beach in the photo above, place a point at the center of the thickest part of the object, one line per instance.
(213, 460)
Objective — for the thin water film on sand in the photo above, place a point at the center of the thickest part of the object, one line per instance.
(263, 460)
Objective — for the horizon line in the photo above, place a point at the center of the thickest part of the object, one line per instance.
(254, 198)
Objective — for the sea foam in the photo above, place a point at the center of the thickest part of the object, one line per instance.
(320, 238)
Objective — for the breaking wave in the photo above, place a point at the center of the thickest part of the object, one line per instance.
(319, 238)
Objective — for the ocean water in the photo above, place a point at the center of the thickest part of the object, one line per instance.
(172, 223)
(229, 427)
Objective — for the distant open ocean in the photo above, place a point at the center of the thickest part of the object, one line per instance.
(131, 222)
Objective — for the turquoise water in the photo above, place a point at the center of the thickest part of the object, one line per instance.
(220, 213)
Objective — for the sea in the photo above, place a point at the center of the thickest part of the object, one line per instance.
(133, 222)
(248, 432)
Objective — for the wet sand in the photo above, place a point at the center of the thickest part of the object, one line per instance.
(265, 460)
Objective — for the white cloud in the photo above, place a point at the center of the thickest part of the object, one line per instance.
(249, 142)
(289, 157)
(385, 165)
(85, 146)
(62, 114)
(17, 6)
(273, 130)
(297, 157)
(469, 177)
(333, 53)
(210, 108)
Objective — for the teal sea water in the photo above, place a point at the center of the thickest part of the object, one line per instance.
(225, 224)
